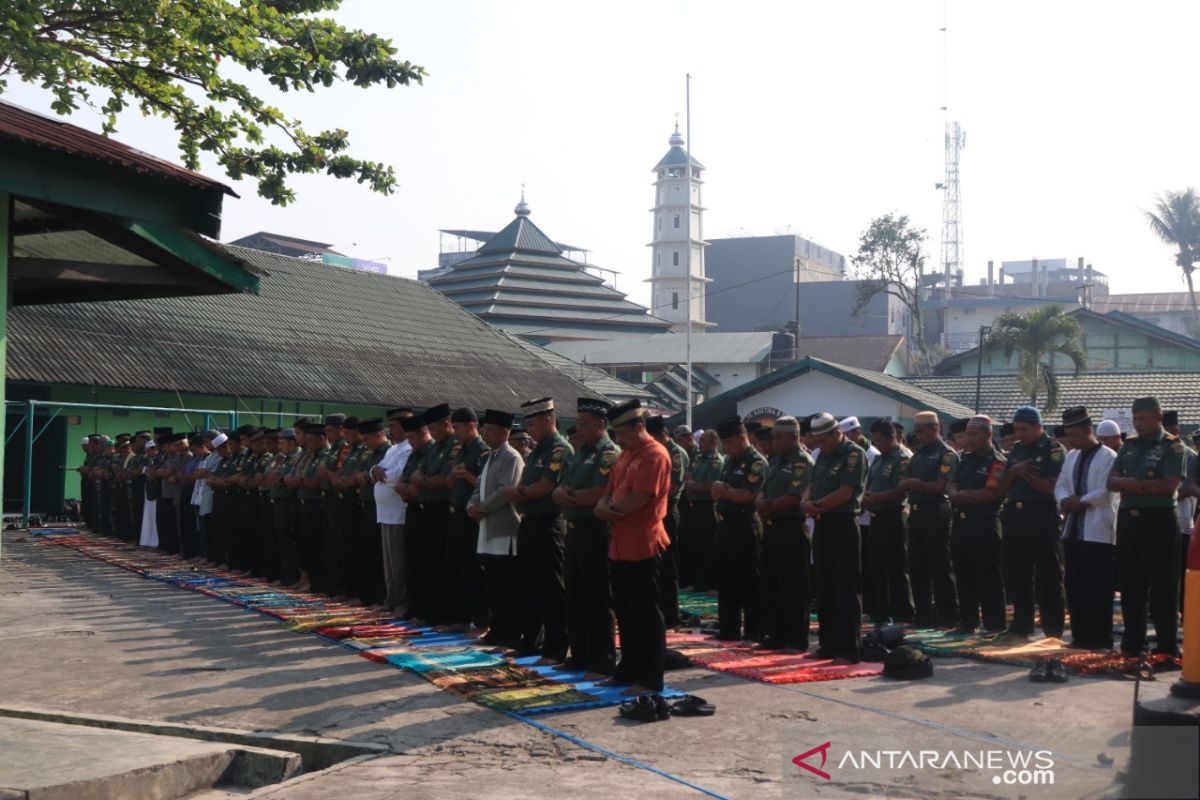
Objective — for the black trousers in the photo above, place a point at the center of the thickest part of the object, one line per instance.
(104, 522)
(739, 592)
(332, 580)
(87, 501)
(120, 501)
(370, 554)
(185, 523)
(215, 529)
(975, 546)
(785, 557)
(419, 605)
(168, 534)
(668, 569)
(931, 567)
(1148, 564)
(1033, 567)
(867, 569)
(309, 524)
(268, 562)
(502, 577)
(589, 597)
(240, 528)
(466, 598)
(702, 534)
(643, 633)
(543, 596)
(684, 556)
(1090, 593)
(837, 572)
(283, 511)
(888, 557)
(436, 532)
(349, 549)
(137, 507)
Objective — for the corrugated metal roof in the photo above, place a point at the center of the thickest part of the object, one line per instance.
(595, 379)
(864, 352)
(1000, 396)
(670, 348)
(315, 333)
(1148, 303)
(724, 405)
(22, 125)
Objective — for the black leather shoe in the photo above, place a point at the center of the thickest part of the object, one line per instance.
(1057, 673)
(1040, 672)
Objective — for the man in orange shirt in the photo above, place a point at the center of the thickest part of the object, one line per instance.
(634, 505)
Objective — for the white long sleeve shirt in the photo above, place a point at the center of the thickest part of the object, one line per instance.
(1100, 519)
(202, 494)
(390, 508)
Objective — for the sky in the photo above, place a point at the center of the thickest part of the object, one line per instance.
(811, 117)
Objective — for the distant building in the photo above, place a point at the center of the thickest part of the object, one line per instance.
(754, 282)
(282, 245)
(1170, 310)
(678, 219)
(811, 385)
(723, 361)
(1113, 342)
(520, 282)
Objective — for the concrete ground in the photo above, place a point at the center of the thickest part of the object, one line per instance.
(82, 636)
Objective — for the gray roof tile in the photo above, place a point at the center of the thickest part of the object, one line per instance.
(315, 332)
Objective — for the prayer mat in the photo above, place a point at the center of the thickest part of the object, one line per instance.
(382, 629)
(555, 697)
(698, 604)
(373, 642)
(782, 668)
(460, 658)
(601, 695)
(467, 683)
(309, 624)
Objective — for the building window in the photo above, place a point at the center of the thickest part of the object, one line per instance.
(676, 221)
(674, 301)
(675, 259)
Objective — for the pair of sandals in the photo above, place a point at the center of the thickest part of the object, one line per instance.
(654, 708)
(1050, 670)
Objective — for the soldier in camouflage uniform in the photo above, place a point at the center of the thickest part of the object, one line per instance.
(834, 497)
(702, 515)
(345, 489)
(468, 606)
(1147, 473)
(433, 481)
(668, 570)
(283, 501)
(739, 537)
(583, 482)
(785, 548)
(885, 500)
(1033, 553)
(541, 536)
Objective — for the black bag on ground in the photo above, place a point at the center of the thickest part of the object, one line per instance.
(907, 664)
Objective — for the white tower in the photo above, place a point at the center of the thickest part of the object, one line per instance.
(678, 228)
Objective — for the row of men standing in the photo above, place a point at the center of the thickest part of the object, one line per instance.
(954, 531)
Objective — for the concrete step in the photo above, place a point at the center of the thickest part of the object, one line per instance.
(42, 760)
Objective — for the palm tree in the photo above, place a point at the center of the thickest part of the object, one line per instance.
(1040, 335)
(1176, 220)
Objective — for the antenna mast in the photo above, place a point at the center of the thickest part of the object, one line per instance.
(955, 141)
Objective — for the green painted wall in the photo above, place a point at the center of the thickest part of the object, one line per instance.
(83, 421)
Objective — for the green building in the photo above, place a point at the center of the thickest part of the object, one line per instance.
(316, 339)
(85, 218)
(1114, 342)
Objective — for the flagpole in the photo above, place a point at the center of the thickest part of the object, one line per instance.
(687, 152)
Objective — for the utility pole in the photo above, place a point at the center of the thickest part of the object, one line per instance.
(984, 332)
